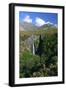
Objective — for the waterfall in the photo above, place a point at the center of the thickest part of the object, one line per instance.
(33, 49)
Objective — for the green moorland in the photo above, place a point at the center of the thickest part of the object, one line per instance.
(44, 63)
(25, 34)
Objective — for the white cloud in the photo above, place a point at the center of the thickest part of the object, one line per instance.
(39, 22)
(27, 19)
(55, 25)
(49, 23)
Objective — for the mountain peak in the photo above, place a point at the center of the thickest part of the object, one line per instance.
(24, 26)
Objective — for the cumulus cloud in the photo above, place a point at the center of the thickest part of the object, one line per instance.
(49, 23)
(39, 22)
(27, 19)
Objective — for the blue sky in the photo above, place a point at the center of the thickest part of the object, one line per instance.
(38, 19)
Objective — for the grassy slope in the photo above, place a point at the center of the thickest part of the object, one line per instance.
(26, 34)
(30, 63)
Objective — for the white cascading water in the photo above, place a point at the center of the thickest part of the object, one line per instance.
(33, 47)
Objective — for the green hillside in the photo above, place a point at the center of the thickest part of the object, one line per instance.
(42, 63)
(26, 34)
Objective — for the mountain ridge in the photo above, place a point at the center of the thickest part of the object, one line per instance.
(24, 26)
